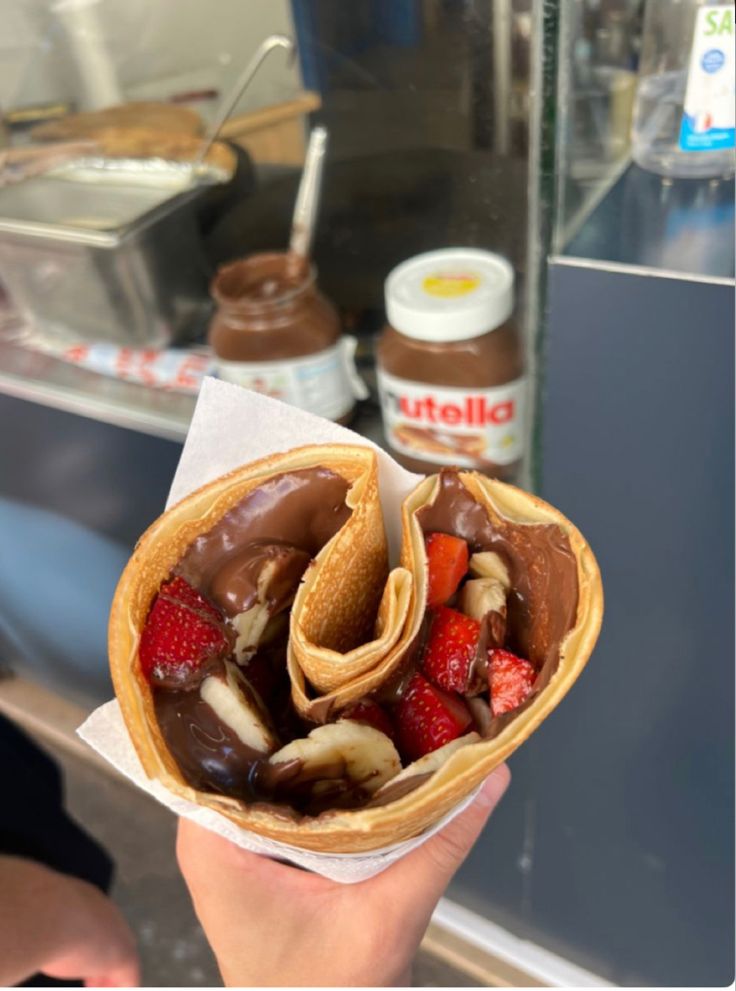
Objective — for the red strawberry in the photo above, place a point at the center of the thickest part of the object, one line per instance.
(179, 637)
(427, 718)
(183, 592)
(447, 558)
(371, 713)
(450, 649)
(511, 679)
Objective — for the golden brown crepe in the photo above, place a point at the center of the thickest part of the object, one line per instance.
(171, 146)
(333, 658)
(161, 117)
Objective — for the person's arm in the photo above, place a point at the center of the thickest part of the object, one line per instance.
(270, 924)
(60, 926)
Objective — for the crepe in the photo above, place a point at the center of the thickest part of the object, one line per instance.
(138, 142)
(337, 650)
(160, 117)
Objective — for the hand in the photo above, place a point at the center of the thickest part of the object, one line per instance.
(270, 924)
(62, 927)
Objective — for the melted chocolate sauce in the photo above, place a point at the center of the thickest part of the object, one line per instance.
(210, 755)
(286, 521)
(543, 600)
(279, 526)
(235, 586)
(303, 509)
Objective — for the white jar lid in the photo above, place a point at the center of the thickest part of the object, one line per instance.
(450, 295)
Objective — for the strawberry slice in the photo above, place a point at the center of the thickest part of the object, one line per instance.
(427, 718)
(447, 558)
(181, 591)
(182, 633)
(372, 714)
(450, 649)
(511, 680)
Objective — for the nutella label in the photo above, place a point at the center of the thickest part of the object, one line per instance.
(325, 383)
(465, 427)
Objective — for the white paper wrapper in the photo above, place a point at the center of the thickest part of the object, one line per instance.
(232, 427)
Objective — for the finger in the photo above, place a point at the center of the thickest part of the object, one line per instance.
(126, 975)
(423, 875)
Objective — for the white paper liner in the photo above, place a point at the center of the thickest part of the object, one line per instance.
(232, 427)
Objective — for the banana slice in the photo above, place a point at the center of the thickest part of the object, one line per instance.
(235, 703)
(488, 564)
(479, 596)
(250, 626)
(425, 766)
(276, 580)
(345, 749)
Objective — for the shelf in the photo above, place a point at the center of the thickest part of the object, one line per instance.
(672, 226)
(49, 381)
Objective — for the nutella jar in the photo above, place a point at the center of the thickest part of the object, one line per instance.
(275, 333)
(449, 364)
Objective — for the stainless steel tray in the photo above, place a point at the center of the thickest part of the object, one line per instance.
(118, 263)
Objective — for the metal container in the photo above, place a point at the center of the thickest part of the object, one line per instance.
(104, 262)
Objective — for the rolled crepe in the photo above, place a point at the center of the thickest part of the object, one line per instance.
(351, 611)
(354, 627)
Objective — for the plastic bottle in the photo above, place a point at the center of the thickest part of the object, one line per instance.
(683, 123)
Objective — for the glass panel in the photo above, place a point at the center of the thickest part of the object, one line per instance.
(432, 130)
(676, 213)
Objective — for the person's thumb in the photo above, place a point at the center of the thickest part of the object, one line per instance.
(427, 871)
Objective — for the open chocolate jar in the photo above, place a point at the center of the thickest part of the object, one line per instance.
(450, 366)
(274, 332)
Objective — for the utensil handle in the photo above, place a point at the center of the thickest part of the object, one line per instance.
(307, 200)
(231, 98)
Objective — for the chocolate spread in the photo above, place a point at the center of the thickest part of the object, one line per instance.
(268, 309)
(281, 525)
(543, 597)
(450, 369)
(210, 755)
(285, 522)
(274, 332)
(237, 584)
(298, 511)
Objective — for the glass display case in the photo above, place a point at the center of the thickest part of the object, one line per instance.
(608, 208)
(503, 125)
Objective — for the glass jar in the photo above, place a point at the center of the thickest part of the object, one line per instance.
(450, 365)
(275, 333)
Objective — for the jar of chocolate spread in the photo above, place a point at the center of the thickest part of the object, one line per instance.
(449, 363)
(274, 332)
